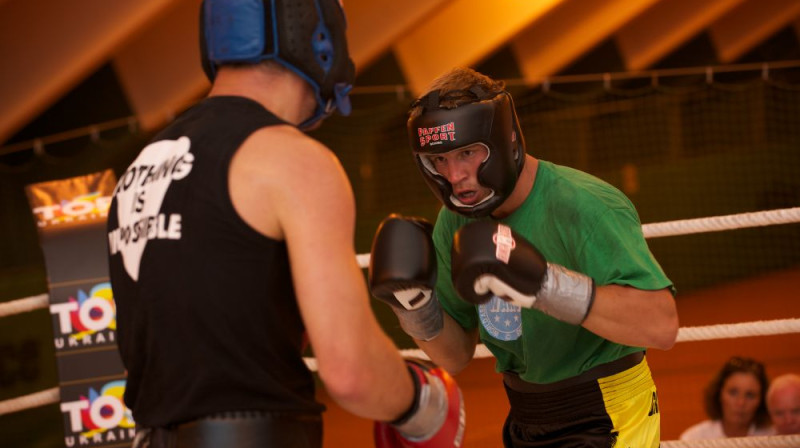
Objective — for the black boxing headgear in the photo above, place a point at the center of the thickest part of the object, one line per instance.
(306, 36)
(489, 120)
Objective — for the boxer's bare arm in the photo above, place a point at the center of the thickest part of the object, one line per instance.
(453, 348)
(616, 316)
(290, 187)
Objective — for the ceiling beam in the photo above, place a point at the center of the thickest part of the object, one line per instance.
(568, 32)
(797, 27)
(461, 33)
(747, 25)
(373, 25)
(160, 68)
(666, 26)
(47, 47)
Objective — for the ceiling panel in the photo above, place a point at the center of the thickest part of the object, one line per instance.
(570, 30)
(462, 33)
(741, 29)
(159, 68)
(374, 25)
(52, 45)
(666, 26)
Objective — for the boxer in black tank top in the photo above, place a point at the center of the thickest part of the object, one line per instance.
(231, 248)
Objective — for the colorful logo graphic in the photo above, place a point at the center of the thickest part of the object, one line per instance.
(99, 417)
(88, 314)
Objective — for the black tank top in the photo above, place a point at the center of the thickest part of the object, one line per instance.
(206, 312)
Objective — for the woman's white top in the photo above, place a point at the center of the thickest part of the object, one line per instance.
(712, 429)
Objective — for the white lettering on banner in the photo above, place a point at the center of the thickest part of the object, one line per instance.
(85, 340)
(91, 305)
(74, 408)
(78, 209)
(140, 193)
(63, 310)
(119, 435)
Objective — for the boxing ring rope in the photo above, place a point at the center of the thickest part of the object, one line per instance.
(790, 441)
(685, 334)
(34, 400)
(726, 222)
(741, 330)
(654, 230)
(24, 305)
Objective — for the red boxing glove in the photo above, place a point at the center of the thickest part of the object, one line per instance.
(435, 420)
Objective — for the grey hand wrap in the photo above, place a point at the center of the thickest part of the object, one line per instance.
(424, 323)
(565, 294)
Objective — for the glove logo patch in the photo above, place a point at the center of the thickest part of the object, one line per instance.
(504, 242)
(501, 319)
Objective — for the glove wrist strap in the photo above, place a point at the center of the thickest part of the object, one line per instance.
(429, 410)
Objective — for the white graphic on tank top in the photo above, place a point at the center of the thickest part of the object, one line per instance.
(139, 195)
(501, 319)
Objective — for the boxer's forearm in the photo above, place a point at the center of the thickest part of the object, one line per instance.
(634, 317)
(453, 348)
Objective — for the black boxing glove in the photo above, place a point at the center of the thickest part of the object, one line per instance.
(489, 259)
(437, 417)
(402, 273)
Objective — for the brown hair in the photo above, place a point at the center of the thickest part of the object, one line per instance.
(457, 79)
(737, 364)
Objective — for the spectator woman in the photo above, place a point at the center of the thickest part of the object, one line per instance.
(735, 403)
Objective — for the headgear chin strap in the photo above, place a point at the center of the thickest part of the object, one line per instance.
(306, 36)
(490, 120)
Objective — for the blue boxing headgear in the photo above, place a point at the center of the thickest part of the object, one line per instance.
(490, 120)
(306, 36)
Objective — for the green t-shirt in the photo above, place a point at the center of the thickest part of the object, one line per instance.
(575, 220)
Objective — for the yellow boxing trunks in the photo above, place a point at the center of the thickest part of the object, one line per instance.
(610, 406)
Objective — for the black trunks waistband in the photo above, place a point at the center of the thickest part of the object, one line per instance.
(517, 384)
(249, 429)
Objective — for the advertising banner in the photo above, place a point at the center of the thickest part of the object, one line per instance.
(71, 219)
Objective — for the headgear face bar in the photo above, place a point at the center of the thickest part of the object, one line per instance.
(306, 36)
(490, 120)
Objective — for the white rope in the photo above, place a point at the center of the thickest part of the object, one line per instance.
(717, 223)
(791, 441)
(724, 331)
(654, 230)
(33, 400)
(700, 225)
(24, 305)
(685, 334)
